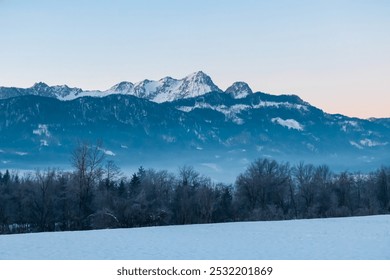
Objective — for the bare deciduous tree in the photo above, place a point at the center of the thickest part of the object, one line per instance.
(87, 161)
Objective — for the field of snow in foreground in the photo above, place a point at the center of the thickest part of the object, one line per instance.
(336, 238)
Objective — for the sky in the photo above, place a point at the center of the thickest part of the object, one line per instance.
(333, 54)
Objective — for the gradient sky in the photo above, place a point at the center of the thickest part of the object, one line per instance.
(333, 54)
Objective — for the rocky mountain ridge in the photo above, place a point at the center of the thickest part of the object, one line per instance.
(217, 132)
(163, 90)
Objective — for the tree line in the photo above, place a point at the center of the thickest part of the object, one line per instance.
(96, 195)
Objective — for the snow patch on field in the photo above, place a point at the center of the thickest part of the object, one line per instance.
(337, 238)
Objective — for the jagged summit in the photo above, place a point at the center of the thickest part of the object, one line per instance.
(196, 84)
(39, 86)
(214, 129)
(169, 89)
(122, 87)
(163, 90)
(239, 90)
(202, 78)
(42, 89)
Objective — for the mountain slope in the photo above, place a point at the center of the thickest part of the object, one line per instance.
(239, 90)
(216, 132)
(172, 122)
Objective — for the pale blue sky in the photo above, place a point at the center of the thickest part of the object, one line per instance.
(334, 54)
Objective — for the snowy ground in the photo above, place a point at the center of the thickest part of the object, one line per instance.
(339, 238)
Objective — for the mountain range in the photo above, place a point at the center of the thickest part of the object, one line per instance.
(165, 89)
(171, 122)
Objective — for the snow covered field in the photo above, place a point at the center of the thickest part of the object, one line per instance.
(336, 238)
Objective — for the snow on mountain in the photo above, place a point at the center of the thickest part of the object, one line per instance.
(122, 88)
(289, 123)
(92, 93)
(230, 112)
(284, 126)
(42, 130)
(65, 90)
(239, 90)
(356, 145)
(370, 143)
(197, 84)
(281, 105)
(40, 86)
(169, 89)
(54, 91)
(165, 89)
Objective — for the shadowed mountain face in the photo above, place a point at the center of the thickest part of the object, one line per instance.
(217, 132)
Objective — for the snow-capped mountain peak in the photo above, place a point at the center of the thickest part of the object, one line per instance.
(40, 87)
(167, 80)
(199, 76)
(169, 89)
(239, 90)
(163, 90)
(122, 88)
(146, 89)
(59, 91)
(197, 83)
(64, 90)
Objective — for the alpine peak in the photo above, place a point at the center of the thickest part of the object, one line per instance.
(122, 87)
(39, 86)
(239, 90)
(163, 90)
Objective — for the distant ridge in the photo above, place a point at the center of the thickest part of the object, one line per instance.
(186, 121)
(163, 90)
